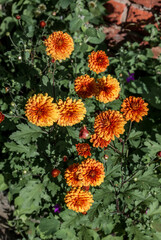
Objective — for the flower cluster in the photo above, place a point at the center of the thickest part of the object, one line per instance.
(105, 89)
(89, 173)
(42, 112)
(108, 125)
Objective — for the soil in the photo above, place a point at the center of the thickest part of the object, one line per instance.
(6, 211)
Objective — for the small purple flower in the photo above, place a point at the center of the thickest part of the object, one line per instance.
(57, 208)
(130, 77)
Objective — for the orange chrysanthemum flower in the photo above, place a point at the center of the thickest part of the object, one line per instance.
(109, 124)
(98, 141)
(83, 149)
(98, 61)
(41, 111)
(85, 86)
(71, 176)
(134, 109)
(92, 172)
(78, 200)
(1, 117)
(71, 112)
(108, 89)
(59, 45)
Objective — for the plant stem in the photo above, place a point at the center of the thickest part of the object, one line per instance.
(126, 138)
(115, 149)
(117, 199)
(54, 95)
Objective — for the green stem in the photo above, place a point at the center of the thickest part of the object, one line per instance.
(54, 94)
(126, 138)
(115, 149)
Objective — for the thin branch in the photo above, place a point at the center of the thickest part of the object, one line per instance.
(126, 137)
(115, 149)
(54, 95)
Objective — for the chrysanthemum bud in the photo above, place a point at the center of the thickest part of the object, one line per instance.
(55, 173)
(42, 24)
(65, 158)
(84, 133)
(159, 154)
(18, 17)
(105, 156)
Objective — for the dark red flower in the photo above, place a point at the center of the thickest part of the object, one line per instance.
(55, 172)
(42, 24)
(18, 17)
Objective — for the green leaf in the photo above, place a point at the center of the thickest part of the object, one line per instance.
(71, 219)
(151, 147)
(135, 135)
(30, 151)
(91, 32)
(75, 24)
(157, 236)
(87, 234)
(3, 185)
(66, 233)
(64, 4)
(26, 133)
(29, 198)
(73, 132)
(154, 209)
(157, 225)
(110, 237)
(6, 25)
(158, 138)
(48, 226)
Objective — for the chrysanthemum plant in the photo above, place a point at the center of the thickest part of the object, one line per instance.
(79, 154)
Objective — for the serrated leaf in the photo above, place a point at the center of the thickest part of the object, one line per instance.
(29, 198)
(87, 234)
(157, 236)
(110, 237)
(71, 219)
(64, 4)
(30, 151)
(135, 135)
(91, 32)
(151, 147)
(154, 209)
(3, 185)
(157, 225)
(74, 133)
(48, 226)
(66, 233)
(26, 133)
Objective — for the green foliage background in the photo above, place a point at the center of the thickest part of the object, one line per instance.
(127, 204)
